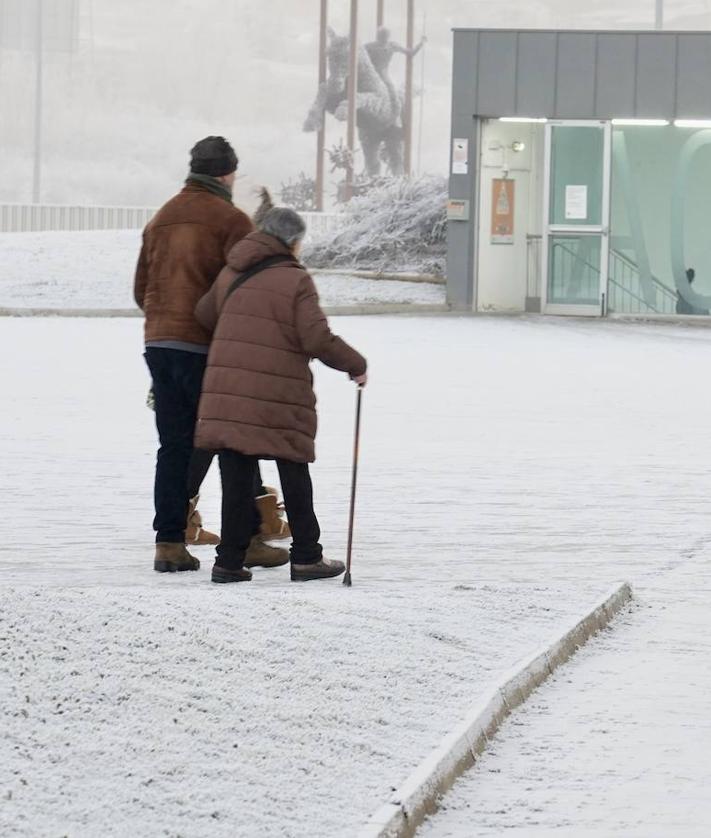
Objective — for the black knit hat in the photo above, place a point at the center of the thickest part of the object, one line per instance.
(213, 156)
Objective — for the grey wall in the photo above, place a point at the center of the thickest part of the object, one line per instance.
(583, 75)
(461, 234)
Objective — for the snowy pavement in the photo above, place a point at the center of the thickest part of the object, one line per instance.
(512, 470)
(94, 270)
(618, 741)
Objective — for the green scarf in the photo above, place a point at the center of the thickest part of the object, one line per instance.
(212, 185)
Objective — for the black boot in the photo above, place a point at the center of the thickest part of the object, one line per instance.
(323, 569)
(223, 575)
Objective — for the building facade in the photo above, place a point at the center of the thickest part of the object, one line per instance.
(580, 178)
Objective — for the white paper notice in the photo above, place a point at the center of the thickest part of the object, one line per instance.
(460, 157)
(576, 202)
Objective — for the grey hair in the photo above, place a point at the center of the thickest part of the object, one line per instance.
(284, 224)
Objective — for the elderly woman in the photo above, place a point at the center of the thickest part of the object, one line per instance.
(257, 394)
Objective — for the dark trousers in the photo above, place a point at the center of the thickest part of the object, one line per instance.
(200, 463)
(177, 379)
(238, 473)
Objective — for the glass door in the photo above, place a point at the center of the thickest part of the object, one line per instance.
(576, 218)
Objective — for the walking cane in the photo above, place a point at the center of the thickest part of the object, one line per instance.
(356, 442)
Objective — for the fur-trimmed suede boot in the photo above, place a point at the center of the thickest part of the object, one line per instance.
(260, 554)
(173, 558)
(273, 526)
(195, 534)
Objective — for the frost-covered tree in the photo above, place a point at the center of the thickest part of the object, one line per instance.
(400, 225)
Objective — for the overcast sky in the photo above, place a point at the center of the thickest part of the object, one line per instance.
(146, 79)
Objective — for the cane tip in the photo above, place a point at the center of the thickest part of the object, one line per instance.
(347, 580)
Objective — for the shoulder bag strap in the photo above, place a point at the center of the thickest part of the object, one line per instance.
(240, 279)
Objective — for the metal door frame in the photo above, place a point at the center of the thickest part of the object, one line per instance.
(602, 229)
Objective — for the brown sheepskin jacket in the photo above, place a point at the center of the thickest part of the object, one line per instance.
(257, 393)
(185, 245)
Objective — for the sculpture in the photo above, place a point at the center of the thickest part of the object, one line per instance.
(378, 103)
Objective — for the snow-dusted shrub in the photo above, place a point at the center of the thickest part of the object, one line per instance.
(399, 226)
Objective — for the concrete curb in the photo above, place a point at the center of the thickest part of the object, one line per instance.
(418, 796)
(331, 311)
(383, 275)
(388, 308)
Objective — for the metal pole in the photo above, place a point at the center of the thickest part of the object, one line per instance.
(381, 13)
(352, 92)
(37, 173)
(321, 136)
(407, 114)
(422, 98)
(659, 15)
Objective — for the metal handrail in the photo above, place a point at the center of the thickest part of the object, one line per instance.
(666, 291)
(629, 293)
(575, 256)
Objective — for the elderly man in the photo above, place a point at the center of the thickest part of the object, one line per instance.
(184, 248)
(257, 396)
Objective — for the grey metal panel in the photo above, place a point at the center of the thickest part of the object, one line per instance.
(496, 81)
(464, 72)
(656, 76)
(576, 71)
(535, 71)
(511, 73)
(616, 76)
(694, 76)
(461, 235)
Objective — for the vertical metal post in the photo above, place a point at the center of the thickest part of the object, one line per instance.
(659, 14)
(352, 93)
(37, 173)
(321, 136)
(407, 113)
(381, 13)
(422, 98)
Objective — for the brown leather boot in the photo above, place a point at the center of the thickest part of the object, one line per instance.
(173, 558)
(195, 534)
(273, 526)
(260, 554)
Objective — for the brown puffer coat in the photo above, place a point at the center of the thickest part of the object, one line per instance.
(185, 245)
(257, 393)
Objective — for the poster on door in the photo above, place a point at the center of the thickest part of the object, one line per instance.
(502, 211)
(576, 202)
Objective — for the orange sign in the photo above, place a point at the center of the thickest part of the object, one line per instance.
(502, 211)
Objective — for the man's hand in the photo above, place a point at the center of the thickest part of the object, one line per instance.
(361, 380)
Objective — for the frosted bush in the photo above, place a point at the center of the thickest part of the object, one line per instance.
(400, 226)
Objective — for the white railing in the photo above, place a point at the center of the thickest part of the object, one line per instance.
(322, 222)
(29, 218)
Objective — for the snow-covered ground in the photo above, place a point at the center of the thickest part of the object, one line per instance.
(511, 471)
(618, 742)
(95, 270)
